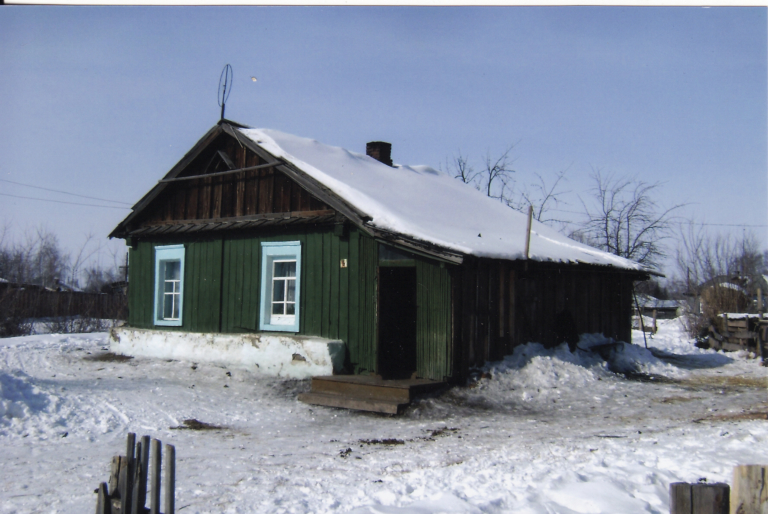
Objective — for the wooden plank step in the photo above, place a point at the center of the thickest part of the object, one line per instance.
(351, 402)
(361, 390)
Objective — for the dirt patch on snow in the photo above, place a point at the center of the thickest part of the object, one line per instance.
(108, 357)
(193, 424)
(740, 416)
(678, 399)
(726, 381)
(387, 442)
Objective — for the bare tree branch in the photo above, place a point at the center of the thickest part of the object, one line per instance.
(625, 219)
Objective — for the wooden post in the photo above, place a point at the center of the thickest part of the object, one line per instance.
(136, 507)
(154, 497)
(144, 472)
(126, 487)
(103, 501)
(698, 498)
(750, 490)
(654, 321)
(170, 479)
(680, 498)
(710, 498)
(760, 302)
(114, 475)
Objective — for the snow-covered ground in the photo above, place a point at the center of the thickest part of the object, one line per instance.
(544, 431)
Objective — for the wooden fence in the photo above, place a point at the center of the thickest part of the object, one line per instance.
(749, 494)
(126, 492)
(35, 302)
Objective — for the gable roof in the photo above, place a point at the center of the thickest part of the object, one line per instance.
(428, 205)
(415, 206)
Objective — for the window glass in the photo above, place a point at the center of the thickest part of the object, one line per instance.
(291, 296)
(169, 284)
(283, 292)
(281, 270)
(285, 268)
(172, 291)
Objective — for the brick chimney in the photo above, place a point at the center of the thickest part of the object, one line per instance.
(380, 151)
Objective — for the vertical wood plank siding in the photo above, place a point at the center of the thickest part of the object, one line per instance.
(237, 194)
(433, 321)
(222, 288)
(502, 305)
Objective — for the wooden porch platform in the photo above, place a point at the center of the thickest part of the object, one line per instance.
(367, 392)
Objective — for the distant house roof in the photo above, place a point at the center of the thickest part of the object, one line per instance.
(427, 204)
(649, 302)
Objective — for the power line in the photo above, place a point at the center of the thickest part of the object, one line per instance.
(748, 225)
(62, 192)
(60, 201)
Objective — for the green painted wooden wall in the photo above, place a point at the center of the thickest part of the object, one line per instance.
(433, 320)
(222, 287)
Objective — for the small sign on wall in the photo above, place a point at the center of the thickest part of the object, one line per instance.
(343, 263)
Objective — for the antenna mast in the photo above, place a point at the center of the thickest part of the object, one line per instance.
(225, 87)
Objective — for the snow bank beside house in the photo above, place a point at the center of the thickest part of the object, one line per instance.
(275, 355)
(420, 202)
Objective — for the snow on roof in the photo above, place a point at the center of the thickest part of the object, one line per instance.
(427, 204)
(650, 302)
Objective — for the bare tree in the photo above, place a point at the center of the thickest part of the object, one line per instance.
(494, 178)
(624, 219)
(541, 196)
(39, 259)
(721, 272)
(703, 257)
(462, 170)
(496, 175)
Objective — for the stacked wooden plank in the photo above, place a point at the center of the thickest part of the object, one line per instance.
(739, 332)
(367, 392)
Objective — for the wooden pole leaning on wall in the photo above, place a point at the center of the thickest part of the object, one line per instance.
(640, 317)
(750, 490)
(528, 235)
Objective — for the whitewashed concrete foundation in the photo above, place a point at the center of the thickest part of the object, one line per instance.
(277, 355)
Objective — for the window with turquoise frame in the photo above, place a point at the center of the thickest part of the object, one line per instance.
(169, 285)
(280, 286)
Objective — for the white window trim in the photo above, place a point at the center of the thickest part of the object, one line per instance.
(165, 254)
(271, 252)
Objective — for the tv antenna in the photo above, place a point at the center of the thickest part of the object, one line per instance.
(225, 87)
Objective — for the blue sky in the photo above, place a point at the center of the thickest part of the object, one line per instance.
(102, 101)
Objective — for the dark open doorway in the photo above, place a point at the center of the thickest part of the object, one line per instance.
(397, 322)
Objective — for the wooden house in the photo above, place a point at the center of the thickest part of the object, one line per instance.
(259, 232)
